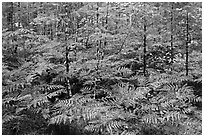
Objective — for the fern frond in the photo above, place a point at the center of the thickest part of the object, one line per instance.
(9, 102)
(116, 125)
(94, 128)
(188, 110)
(84, 100)
(56, 93)
(65, 103)
(90, 113)
(124, 72)
(18, 86)
(149, 107)
(151, 119)
(8, 118)
(59, 119)
(185, 90)
(86, 90)
(173, 116)
(39, 101)
(169, 87)
(126, 132)
(60, 79)
(50, 88)
(168, 105)
(199, 80)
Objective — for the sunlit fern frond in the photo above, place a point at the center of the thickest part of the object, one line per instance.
(108, 123)
(8, 118)
(91, 113)
(82, 99)
(151, 119)
(157, 84)
(64, 103)
(198, 80)
(86, 90)
(9, 102)
(188, 110)
(61, 107)
(56, 93)
(168, 104)
(173, 116)
(185, 90)
(59, 119)
(163, 79)
(126, 132)
(50, 88)
(18, 86)
(77, 105)
(179, 79)
(124, 72)
(186, 93)
(193, 98)
(39, 101)
(128, 95)
(190, 122)
(114, 126)
(169, 87)
(94, 128)
(60, 79)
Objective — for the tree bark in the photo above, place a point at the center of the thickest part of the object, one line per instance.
(10, 16)
(68, 86)
(172, 56)
(144, 51)
(187, 40)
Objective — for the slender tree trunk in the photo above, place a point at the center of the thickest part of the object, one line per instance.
(67, 60)
(106, 25)
(172, 56)
(76, 33)
(144, 52)
(52, 30)
(45, 28)
(28, 14)
(19, 21)
(68, 86)
(97, 15)
(187, 40)
(10, 17)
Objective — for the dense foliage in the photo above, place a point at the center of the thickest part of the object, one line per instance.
(102, 68)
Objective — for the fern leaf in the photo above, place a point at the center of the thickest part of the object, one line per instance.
(8, 118)
(59, 119)
(39, 101)
(56, 93)
(151, 119)
(174, 116)
(94, 128)
(50, 88)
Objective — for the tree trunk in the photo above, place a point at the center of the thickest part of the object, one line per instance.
(19, 20)
(144, 51)
(68, 86)
(10, 16)
(172, 56)
(187, 40)
(106, 24)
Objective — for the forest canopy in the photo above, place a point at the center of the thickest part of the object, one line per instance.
(102, 68)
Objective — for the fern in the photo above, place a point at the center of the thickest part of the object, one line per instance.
(50, 88)
(151, 119)
(39, 101)
(60, 119)
(8, 118)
